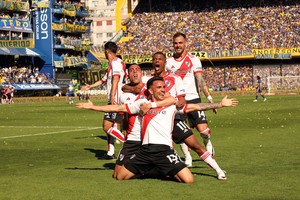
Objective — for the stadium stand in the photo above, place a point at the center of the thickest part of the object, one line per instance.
(216, 26)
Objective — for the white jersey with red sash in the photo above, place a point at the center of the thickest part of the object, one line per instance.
(186, 68)
(174, 84)
(157, 123)
(116, 68)
(133, 131)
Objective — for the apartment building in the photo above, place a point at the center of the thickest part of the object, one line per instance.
(102, 13)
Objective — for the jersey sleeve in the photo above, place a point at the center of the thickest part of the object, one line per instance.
(197, 65)
(104, 78)
(117, 67)
(168, 64)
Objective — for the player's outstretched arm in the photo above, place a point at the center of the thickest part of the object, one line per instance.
(87, 86)
(229, 102)
(208, 106)
(204, 88)
(168, 100)
(107, 108)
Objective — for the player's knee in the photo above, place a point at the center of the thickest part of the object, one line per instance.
(107, 127)
(189, 179)
(205, 131)
(120, 176)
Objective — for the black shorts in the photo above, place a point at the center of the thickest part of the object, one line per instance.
(181, 131)
(155, 155)
(113, 117)
(129, 148)
(196, 117)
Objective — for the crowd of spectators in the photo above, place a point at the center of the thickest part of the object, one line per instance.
(15, 16)
(23, 75)
(242, 78)
(6, 35)
(210, 30)
(72, 20)
(71, 5)
(262, 26)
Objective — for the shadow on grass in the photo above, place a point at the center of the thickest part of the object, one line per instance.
(98, 153)
(202, 174)
(106, 166)
(85, 168)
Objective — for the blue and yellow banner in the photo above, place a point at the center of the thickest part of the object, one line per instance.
(222, 55)
(17, 43)
(69, 27)
(14, 24)
(75, 61)
(40, 3)
(144, 58)
(14, 5)
(280, 53)
(71, 13)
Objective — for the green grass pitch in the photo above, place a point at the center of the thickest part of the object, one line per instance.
(49, 151)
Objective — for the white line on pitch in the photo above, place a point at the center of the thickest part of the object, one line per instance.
(50, 133)
(47, 127)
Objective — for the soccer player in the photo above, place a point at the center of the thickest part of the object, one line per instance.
(71, 92)
(157, 123)
(114, 78)
(189, 68)
(259, 90)
(133, 131)
(182, 134)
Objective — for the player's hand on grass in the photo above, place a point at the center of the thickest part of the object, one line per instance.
(229, 102)
(87, 105)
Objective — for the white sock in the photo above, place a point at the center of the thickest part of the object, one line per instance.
(185, 149)
(110, 146)
(111, 150)
(206, 157)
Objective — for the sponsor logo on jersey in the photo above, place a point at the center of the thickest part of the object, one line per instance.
(131, 157)
(155, 112)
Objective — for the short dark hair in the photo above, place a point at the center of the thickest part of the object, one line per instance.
(134, 65)
(160, 53)
(179, 34)
(151, 80)
(111, 46)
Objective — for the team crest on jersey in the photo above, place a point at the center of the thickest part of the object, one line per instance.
(121, 157)
(188, 63)
(167, 83)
